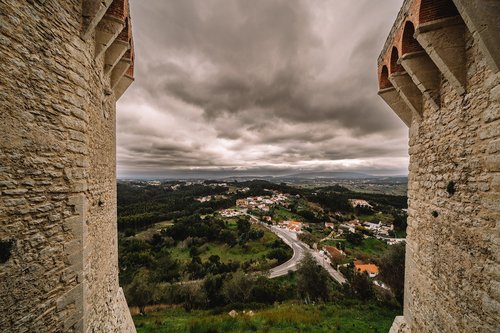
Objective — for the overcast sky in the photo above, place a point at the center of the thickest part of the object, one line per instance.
(266, 86)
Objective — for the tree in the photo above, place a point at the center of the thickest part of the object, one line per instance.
(279, 254)
(312, 280)
(140, 291)
(195, 268)
(354, 238)
(213, 286)
(265, 290)
(307, 238)
(400, 221)
(238, 289)
(193, 296)
(167, 269)
(362, 286)
(228, 237)
(243, 226)
(392, 269)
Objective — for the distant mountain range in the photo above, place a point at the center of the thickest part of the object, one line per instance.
(248, 175)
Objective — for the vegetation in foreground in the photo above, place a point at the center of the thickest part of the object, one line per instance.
(305, 301)
(349, 316)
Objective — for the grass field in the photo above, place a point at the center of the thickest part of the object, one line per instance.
(282, 214)
(254, 249)
(345, 317)
(370, 247)
(153, 229)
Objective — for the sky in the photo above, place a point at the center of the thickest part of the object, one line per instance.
(258, 87)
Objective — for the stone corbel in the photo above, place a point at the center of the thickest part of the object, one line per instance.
(394, 100)
(119, 71)
(424, 74)
(106, 32)
(444, 42)
(408, 91)
(483, 20)
(93, 12)
(123, 84)
(114, 53)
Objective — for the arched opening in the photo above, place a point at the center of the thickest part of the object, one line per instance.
(431, 10)
(409, 43)
(384, 78)
(395, 67)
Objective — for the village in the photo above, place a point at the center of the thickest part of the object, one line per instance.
(334, 258)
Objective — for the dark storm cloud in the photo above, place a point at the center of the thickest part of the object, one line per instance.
(275, 83)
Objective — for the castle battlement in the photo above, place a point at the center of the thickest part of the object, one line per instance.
(439, 72)
(64, 66)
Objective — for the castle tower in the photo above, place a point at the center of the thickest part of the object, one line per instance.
(63, 66)
(440, 72)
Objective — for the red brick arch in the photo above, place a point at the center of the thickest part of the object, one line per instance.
(394, 66)
(431, 10)
(408, 42)
(418, 12)
(384, 78)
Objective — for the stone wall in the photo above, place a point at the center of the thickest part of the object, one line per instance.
(452, 279)
(57, 166)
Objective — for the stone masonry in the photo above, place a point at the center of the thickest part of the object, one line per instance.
(439, 71)
(63, 66)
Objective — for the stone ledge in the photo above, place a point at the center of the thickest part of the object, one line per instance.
(399, 325)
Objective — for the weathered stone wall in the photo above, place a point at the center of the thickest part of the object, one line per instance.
(452, 280)
(57, 173)
(452, 277)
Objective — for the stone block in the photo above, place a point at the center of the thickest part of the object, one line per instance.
(409, 92)
(425, 75)
(394, 100)
(443, 40)
(106, 32)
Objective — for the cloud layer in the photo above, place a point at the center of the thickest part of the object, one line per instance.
(258, 85)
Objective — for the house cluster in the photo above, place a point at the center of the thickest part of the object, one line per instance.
(295, 226)
(379, 229)
(210, 198)
(230, 213)
(263, 203)
(349, 226)
(392, 241)
(360, 203)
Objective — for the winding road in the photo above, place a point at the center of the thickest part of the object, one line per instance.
(299, 250)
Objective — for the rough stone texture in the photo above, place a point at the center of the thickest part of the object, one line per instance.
(399, 325)
(57, 174)
(452, 275)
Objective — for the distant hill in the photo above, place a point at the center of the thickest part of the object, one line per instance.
(271, 176)
(334, 174)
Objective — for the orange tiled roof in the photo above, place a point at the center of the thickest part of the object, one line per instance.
(333, 250)
(370, 268)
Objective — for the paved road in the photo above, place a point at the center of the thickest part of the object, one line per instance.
(299, 250)
(325, 262)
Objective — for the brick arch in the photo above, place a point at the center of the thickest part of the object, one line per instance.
(431, 10)
(384, 78)
(394, 66)
(408, 42)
